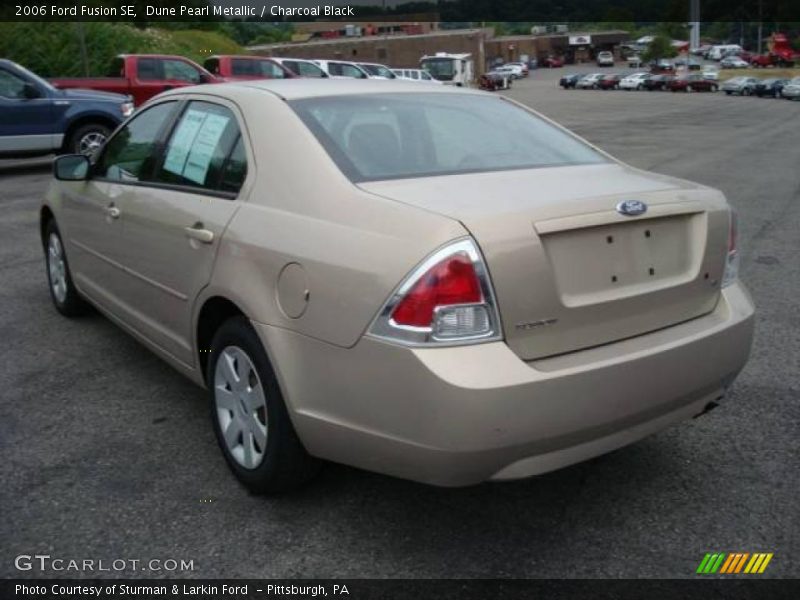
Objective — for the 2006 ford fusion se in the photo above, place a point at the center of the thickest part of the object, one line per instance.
(437, 284)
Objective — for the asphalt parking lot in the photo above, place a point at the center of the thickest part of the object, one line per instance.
(109, 454)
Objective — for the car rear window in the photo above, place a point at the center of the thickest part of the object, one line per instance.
(392, 136)
(248, 67)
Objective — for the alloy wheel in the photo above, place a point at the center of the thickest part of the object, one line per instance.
(91, 143)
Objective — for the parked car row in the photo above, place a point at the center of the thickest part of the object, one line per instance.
(77, 114)
(690, 82)
(780, 54)
(143, 76)
(500, 77)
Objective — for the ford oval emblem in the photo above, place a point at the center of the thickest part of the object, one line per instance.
(631, 208)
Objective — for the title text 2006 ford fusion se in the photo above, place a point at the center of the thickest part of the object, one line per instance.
(440, 285)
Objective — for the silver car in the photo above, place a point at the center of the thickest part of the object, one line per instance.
(743, 86)
(792, 89)
(589, 81)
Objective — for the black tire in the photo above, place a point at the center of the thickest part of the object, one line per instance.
(285, 464)
(727, 93)
(69, 303)
(78, 142)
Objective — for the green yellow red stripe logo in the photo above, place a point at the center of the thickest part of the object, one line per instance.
(734, 562)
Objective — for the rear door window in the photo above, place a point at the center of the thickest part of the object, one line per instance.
(200, 149)
(245, 67)
(305, 69)
(149, 69)
(180, 71)
(235, 170)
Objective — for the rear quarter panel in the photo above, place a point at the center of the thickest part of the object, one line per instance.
(353, 247)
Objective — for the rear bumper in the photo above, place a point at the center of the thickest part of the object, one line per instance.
(459, 416)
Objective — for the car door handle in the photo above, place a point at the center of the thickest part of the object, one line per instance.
(198, 233)
(113, 212)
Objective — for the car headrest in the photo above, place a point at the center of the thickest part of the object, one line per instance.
(374, 148)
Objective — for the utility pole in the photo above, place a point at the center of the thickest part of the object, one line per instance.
(694, 18)
(82, 44)
(760, 25)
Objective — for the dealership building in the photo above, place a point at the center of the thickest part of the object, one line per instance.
(403, 46)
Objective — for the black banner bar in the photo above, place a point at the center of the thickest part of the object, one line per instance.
(451, 11)
(701, 588)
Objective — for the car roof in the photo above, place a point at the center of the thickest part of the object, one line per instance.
(282, 58)
(244, 56)
(294, 89)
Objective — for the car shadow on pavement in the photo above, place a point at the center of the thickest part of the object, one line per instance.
(11, 167)
(508, 529)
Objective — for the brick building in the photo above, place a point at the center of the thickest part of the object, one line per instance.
(575, 48)
(403, 25)
(405, 50)
(398, 51)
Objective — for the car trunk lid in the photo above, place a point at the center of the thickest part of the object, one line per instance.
(569, 270)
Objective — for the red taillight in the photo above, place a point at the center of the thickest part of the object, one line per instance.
(452, 281)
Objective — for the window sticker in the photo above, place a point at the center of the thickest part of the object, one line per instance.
(182, 141)
(193, 145)
(203, 148)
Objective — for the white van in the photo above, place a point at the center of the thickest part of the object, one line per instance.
(342, 69)
(415, 75)
(720, 52)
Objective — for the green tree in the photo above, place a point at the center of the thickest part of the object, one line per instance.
(660, 47)
(673, 30)
(54, 49)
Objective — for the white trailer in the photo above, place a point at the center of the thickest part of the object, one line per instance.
(450, 69)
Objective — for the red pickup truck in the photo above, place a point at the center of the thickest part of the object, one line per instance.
(235, 68)
(781, 53)
(142, 76)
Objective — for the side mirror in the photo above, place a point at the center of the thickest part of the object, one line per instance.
(30, 91)
(71, 167)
